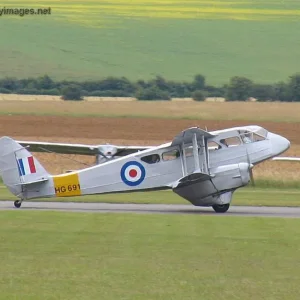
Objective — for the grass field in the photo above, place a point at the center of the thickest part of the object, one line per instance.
(47, 255)
(238, 111)
(143, 38)
(259, 196)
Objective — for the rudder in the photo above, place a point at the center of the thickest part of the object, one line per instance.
(18, 167)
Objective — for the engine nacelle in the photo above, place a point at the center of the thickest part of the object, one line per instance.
(223, 179)
(231, 176)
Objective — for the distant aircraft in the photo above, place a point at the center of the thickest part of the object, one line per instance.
(203, 167)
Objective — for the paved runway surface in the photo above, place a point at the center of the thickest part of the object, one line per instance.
(286, 212)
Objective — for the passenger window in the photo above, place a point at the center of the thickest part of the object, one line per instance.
(212, 146)
(170, 155)
(231, 142)
(189, 151)
(151, 159)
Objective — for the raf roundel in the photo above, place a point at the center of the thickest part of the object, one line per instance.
(133, 173)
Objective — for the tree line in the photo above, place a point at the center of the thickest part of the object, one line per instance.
(237, 89)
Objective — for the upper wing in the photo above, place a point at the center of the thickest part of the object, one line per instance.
(286, 158)
(187, 135)
(82, 149)
(126, 150)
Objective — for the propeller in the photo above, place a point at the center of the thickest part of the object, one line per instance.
(109, 152)
(250, 168)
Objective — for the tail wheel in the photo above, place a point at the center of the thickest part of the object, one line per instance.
(221, 208)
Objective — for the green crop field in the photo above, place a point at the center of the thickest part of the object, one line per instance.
(143, 38)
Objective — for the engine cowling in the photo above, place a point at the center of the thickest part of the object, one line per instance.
(231, 176)
(221, 180)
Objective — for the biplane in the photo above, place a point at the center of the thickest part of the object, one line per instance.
(203, 167)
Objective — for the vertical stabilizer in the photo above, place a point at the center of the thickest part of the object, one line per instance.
(18, 167)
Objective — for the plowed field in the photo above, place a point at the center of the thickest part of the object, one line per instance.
(131, 131)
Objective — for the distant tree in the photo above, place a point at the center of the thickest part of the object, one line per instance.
(110, 84)
(62, 84)
(152, 93)
(4, 91)
(44, 83)
(51, 92)
(199, 95)
(142, 84)
(72, 92)
(263, 92)
(199, 82)
(179, 89)
(109, 93)
(29, 91)
(294, 87)
(239, 89)
(282, 92)
(159, 88)
(213, 91)
(160, 83)
(9, 83)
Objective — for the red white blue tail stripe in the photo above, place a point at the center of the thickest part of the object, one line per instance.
(26, 166)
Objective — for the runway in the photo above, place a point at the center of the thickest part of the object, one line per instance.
(250, 211)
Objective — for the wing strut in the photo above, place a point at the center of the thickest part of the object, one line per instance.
(196, 153)
(207, 155)
(205, 163)
(183, 160)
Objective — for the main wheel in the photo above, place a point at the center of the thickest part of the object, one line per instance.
(221, 208)
(17, 203)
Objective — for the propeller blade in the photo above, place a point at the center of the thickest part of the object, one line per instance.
(101, 153)
(252, 177)
(250, 169)
(248, 158)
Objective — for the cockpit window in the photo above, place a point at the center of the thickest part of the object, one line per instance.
(151, 159)
(261, 132)
(247, 138)
(170, 155)
(251, 137)
(253, 134)
(257, 138)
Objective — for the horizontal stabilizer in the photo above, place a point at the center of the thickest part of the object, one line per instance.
(33, 182)
(190, 179)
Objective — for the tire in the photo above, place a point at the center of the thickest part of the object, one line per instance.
(221, 208)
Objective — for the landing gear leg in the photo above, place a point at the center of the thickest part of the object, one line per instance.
(18, 203)
(221, 208)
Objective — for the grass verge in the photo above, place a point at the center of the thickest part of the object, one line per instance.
(55, 255)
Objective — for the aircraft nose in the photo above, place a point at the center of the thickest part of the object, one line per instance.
(279, 144)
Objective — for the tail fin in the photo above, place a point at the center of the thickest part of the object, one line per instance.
(18, 167)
